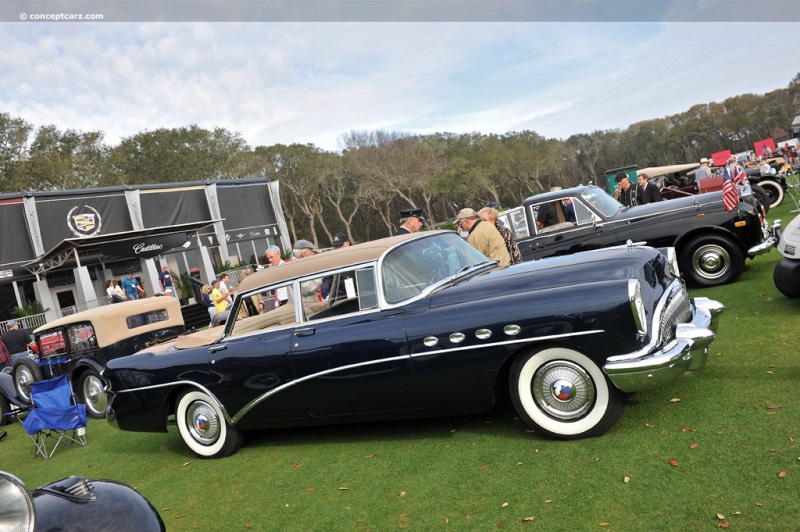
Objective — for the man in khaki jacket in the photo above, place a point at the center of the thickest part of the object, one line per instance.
(483, 236)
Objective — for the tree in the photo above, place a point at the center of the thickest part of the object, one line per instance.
(65, 160)
(14, 134)
(175, 155)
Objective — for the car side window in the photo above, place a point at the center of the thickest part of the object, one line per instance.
(342, 293)
(263, 309)
(52, 343)
(551, 216)
(515, 220)
(81, 337)
(583, 215)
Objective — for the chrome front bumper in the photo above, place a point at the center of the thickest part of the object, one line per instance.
(771, 241)
(688, 351)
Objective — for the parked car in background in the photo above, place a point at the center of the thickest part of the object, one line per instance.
(678, 181)
(787, 271)
(712, 243)
(423, 325)
(770, 176)
(75, 503)
(81, 344)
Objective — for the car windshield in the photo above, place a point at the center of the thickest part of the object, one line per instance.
(601, 201)
(414, 266)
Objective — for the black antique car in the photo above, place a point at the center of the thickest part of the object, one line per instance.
(678, 181)
(423, 325)
(75, 503)
(712, 243)
(80, 344)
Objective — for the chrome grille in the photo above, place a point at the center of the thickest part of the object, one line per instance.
(677, 310)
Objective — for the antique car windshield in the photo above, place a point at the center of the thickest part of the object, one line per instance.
(601, 201)
(414, 266)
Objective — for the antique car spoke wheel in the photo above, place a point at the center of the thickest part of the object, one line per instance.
(93, 395)
(564, 394)
(712, 260)
(25, 372)
(203, 427)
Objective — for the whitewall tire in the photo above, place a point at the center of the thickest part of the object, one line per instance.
(203, 427)
(564, 394)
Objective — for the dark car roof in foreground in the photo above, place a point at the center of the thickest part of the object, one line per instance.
(329, 260)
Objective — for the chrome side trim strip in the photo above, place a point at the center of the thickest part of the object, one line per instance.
(252, 404)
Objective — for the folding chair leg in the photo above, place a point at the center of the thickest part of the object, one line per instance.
(40, 440)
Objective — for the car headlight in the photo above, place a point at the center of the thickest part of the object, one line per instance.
(16, 505)
(637, 305)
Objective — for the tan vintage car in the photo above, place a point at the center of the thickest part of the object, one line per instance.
(80, 345)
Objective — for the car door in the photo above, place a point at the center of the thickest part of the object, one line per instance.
(350, 357)
(250, 370)
(589, 232)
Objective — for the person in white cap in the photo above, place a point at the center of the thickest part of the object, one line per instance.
(704, 172)
(484, 237)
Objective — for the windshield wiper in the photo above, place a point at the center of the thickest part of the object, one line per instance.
(470, 268)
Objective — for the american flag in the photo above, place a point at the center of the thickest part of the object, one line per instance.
(730, 196)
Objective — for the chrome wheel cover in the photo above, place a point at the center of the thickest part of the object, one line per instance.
(23, 379)
(93, 395)
(563, 390)
(711, 261)
(203, 422)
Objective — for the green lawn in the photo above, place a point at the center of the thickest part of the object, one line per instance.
(732, 430)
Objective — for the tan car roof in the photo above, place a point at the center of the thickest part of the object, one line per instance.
(329, 260)
(655, 171)
(110, 321)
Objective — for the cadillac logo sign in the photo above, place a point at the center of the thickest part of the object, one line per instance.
(84, 223)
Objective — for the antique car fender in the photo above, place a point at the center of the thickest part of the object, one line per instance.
(9, 401)
(76, 503)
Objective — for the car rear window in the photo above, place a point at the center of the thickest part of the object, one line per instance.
(52, 343)
(154, 316)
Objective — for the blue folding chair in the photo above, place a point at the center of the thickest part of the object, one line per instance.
(54, 416)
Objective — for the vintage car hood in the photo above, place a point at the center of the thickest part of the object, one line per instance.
(609, 264)
(663, 207)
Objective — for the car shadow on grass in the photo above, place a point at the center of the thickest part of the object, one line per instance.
(501, 421)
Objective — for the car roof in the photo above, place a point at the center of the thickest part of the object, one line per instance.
(329, 260)
(110, 321)
(557, 194)
(655, 171)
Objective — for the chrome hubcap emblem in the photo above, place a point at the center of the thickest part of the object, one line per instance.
(563, 390)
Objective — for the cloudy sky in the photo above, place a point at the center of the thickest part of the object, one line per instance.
(311, 82)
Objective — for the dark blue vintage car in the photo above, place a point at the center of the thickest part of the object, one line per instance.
(712, 243)
(75, 503)
(418, 326)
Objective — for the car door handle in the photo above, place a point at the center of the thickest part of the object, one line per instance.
(305, 332)
(216, 348)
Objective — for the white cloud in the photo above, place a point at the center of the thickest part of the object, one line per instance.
(311, 83)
